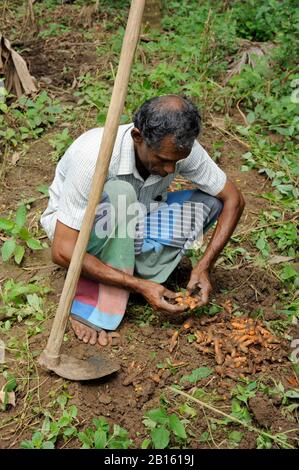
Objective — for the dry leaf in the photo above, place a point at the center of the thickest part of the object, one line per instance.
(15, 158)
(9, 396)
(17, 77)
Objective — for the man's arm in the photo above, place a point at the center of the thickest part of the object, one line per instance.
(62, 249)
(233, 206)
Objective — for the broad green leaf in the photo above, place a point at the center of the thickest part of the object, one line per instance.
(64, 421)
(235, 436)
(157, 415)
(250, 117)
(288, 272)
(177, 426)
(145, 443)
(37, 439)
(17, 290)
(292, 394)
(73, 411)
(6, 225)
(27, 445)
(24, 233)
(21, 215)
(85, 439)
(8, 249)
(34, 244)
(19, 253)
(61, 399)
(48, 445)
(160, 437)
(101, 423)
(71, 431)
(185, 409)
(197, 374)
(42, 188)
(10, 385)
(100, 439)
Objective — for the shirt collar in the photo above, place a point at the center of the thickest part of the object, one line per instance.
(127, 165)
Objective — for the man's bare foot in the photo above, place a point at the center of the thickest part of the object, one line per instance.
(89, 335)
(84, 332)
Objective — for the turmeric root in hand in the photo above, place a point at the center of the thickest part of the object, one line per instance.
(186, 300)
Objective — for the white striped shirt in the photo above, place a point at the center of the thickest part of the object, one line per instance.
(71, 185)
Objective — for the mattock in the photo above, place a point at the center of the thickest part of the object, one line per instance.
(51, 358)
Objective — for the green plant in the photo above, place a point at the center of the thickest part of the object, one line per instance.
(8, 388)
(289, 274)
(164, 428)
(54, 29)
(20, 301)
(60, 142)
(261, 20)
(52, 429)
(100, 437)
(25, 119)
(168, 364)
(243, 393)
(197, 374)
(279, 391)
(17, 234)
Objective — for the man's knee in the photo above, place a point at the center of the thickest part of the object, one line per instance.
(216, 207)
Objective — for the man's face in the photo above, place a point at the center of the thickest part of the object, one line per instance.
(162, 161)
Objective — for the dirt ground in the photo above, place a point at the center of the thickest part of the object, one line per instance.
(145, 340)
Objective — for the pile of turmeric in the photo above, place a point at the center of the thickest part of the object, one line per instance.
(239, 346)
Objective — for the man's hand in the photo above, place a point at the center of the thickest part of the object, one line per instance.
(200, 280)
(156, 295)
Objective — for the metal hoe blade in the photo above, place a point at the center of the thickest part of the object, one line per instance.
(72, 368)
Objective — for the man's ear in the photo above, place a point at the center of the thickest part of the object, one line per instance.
(136, 136)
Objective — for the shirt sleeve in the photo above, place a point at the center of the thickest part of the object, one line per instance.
(75, 192)
(199, 168)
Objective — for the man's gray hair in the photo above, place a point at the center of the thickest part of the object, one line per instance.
(168, 115)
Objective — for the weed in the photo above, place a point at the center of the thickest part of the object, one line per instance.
(52, 429)
(18, 235)
(164, 428)
(20, 301)
(243, 393)
(100, 437)
(60, 142)
(197, 374)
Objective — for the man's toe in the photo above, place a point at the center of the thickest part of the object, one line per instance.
(79, 332)
(103, 338)
(86, 337)
(93, 337)
(114, 338)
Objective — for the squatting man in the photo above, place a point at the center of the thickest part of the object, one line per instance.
(148, 153)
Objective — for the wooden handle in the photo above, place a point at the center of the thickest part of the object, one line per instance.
(130, 41)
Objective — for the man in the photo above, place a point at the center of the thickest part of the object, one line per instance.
(146, 157)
